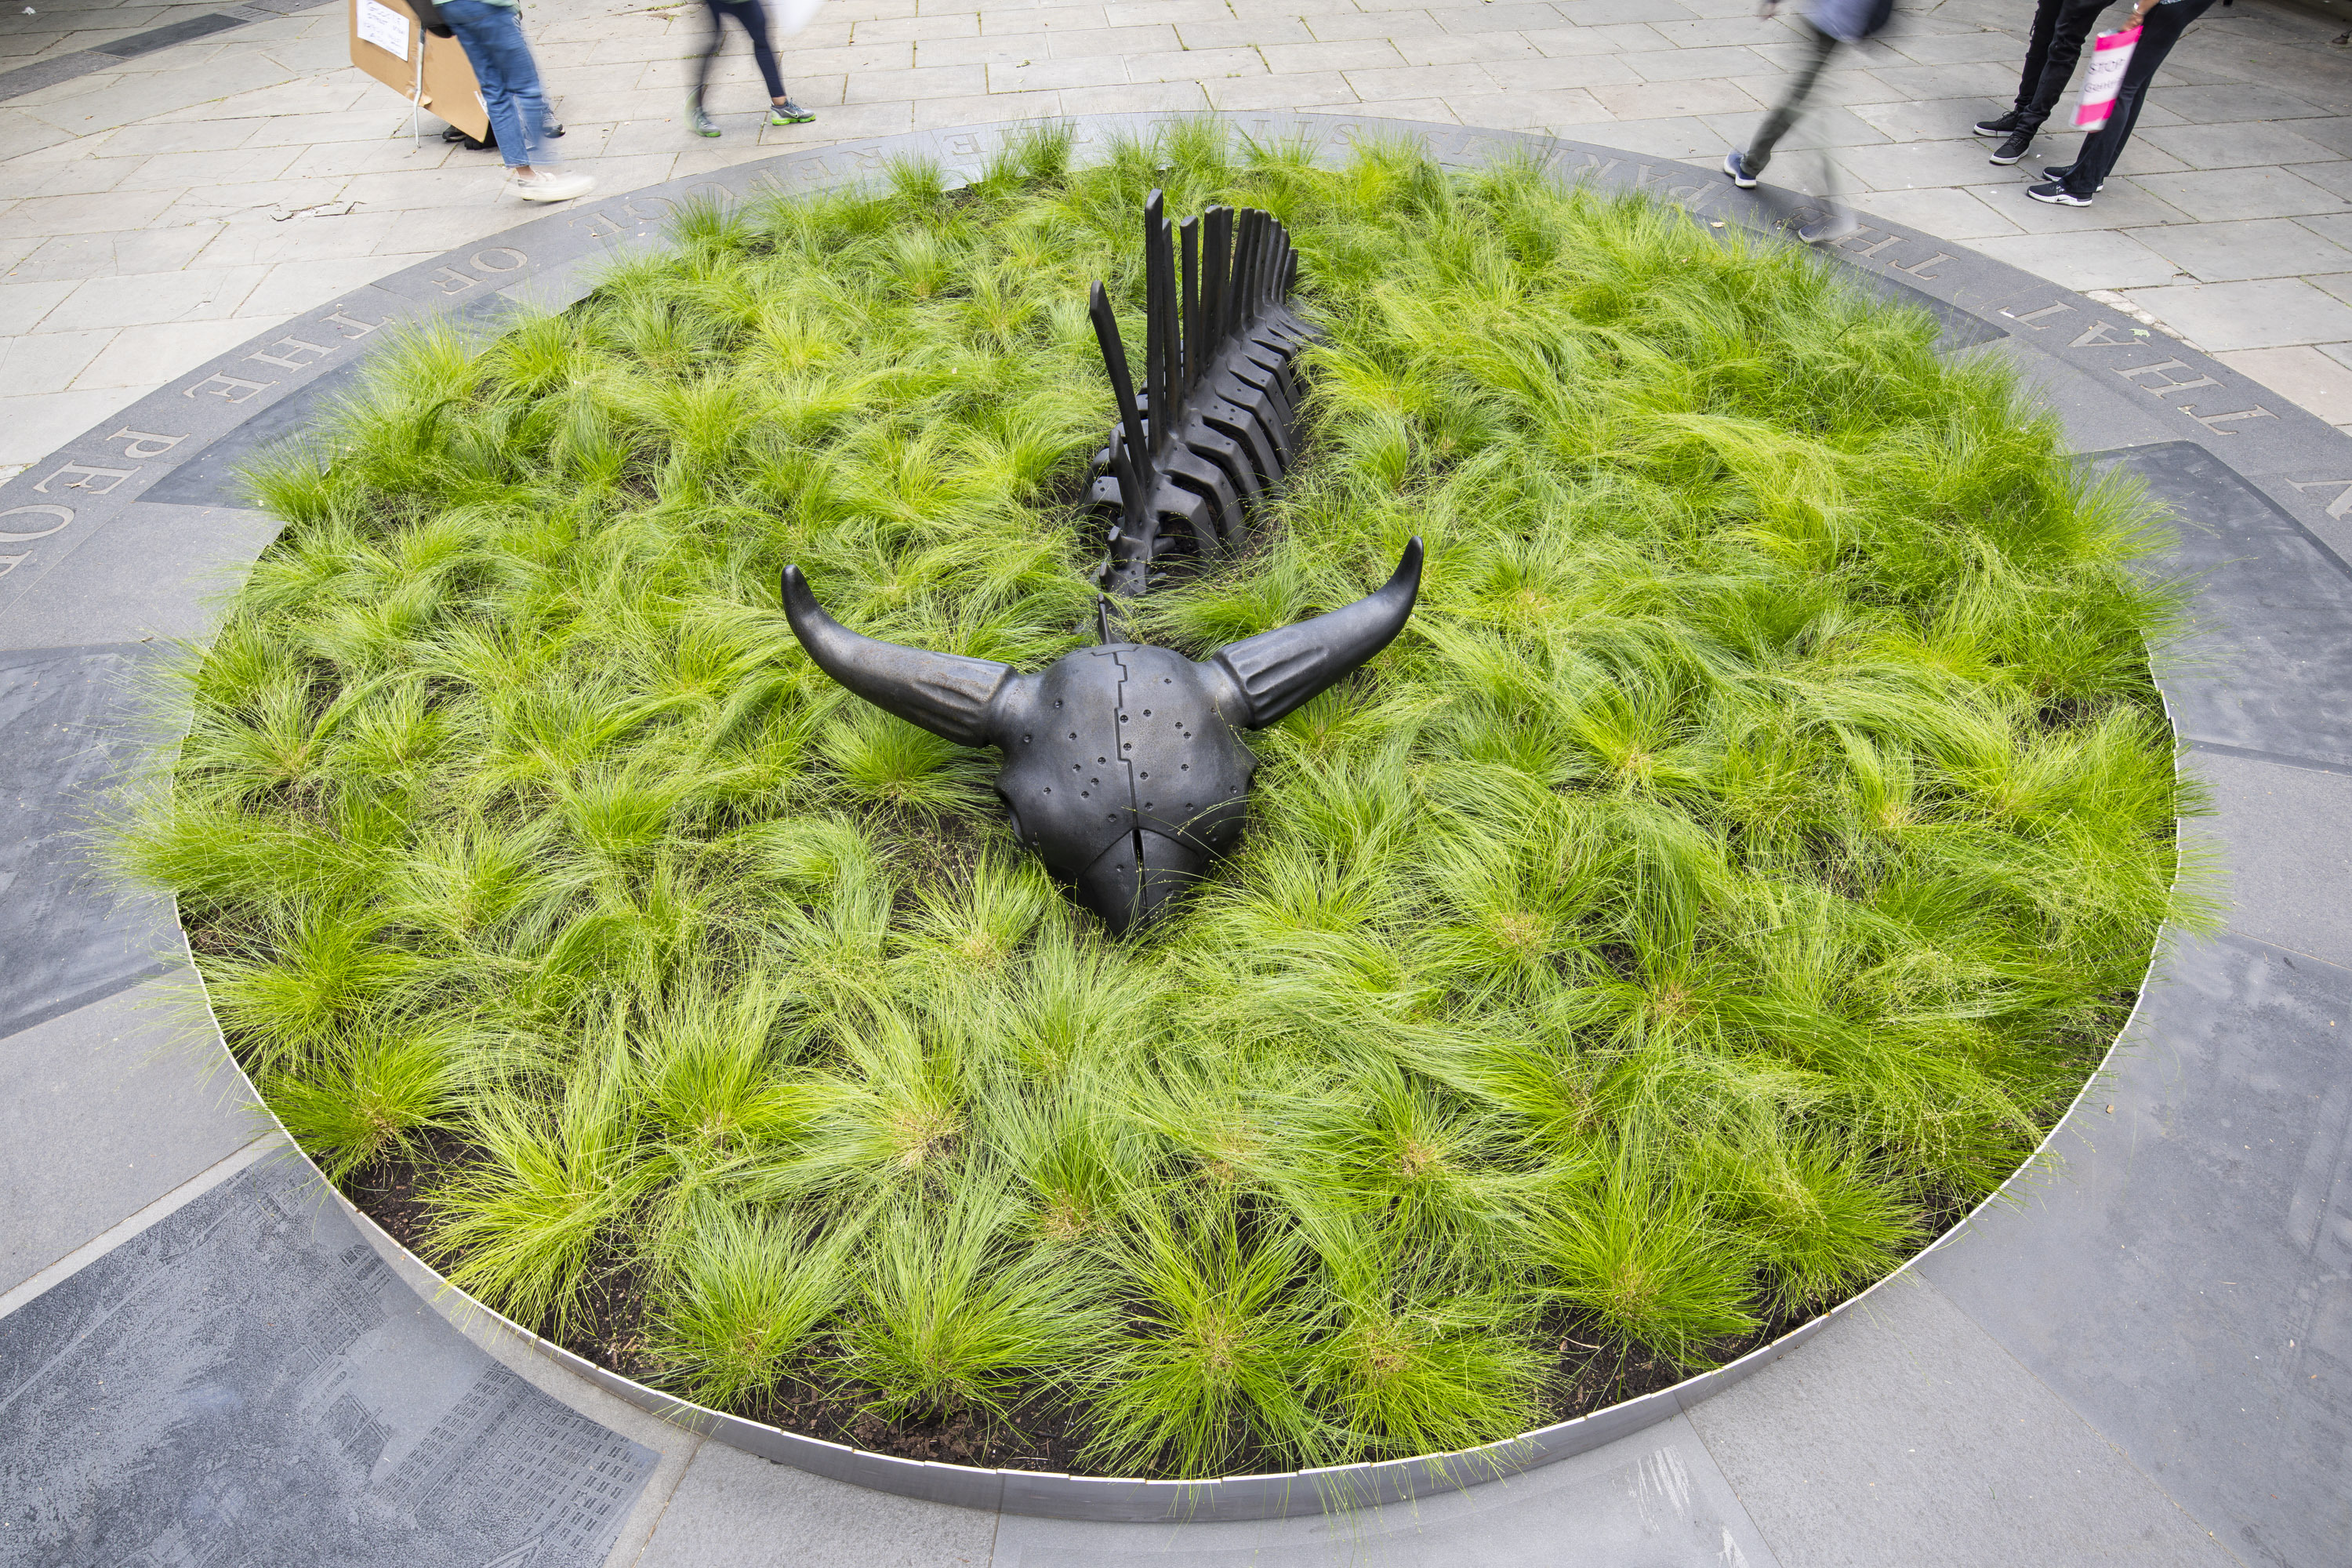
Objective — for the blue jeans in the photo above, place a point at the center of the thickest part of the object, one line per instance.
(492, 39)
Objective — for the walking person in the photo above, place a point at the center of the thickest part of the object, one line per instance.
(752, 15)
(1825, 25)
(2162, 22)
(2060, 28)
(490, 32)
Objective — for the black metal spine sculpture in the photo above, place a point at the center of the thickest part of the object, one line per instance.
(1212, 428)
(1124, 766)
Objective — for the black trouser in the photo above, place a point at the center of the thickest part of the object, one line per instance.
(2101, 148)
(2060, 27)
(1792, 102)
(752, 16)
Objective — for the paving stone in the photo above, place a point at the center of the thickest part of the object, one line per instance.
(47, 362)
(2258, 247)
(1914, 165)
(1442, 49)
(1956, 214)
(1686, 65)
(1523, 111)
(2310, 379)
(2206, 1339)
(142, 357)
(106, 1110)
(2236, 102)
(1539, 74)
(2235, 146)
(205, 295)
(1650, 101)
(2089, 258)
(2267, 313)
(84, 255)
(2222, 195)
(1924, 1395)
(1240, 94)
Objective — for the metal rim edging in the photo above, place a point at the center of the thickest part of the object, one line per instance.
(292, 371)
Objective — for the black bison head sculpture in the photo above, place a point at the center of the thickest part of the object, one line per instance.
(1124, 767)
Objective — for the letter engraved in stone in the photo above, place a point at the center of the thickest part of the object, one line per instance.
(2214, 422)
(2097, 336)
(1919, 269)
(601, 226)
(229, 388)
(292, 358)
(359, 329)
(145, 443)
(964, 145)
(64, 514)
(657, 206)
(1597, 168)
(2030, 317)
(1847, 244)
(452, 282)
(112, 476)
(499, 258)
(9, 562)
(2343, 501)
(2164, 369)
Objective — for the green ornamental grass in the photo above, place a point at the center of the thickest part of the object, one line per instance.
(1743, 856)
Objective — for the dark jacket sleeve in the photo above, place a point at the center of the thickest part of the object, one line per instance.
(428, 16)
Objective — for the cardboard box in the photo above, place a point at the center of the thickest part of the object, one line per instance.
(384, 43)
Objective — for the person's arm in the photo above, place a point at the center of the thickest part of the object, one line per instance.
(2140, 13)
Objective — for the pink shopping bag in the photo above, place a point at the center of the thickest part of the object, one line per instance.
(2109, 56)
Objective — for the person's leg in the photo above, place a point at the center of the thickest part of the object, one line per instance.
(754, 15)
(1792, 102)
(492, 37)
(2073, 29)
(2158, 33)
(2037, 52)
(711, 44)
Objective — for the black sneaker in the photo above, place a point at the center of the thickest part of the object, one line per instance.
(1735, 163)
(2001, 127)
(2060, 171)
(2057, 195)
(2010, 151)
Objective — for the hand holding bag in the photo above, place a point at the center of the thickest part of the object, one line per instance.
(2109, 56)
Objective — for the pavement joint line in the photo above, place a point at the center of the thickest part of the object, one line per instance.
(2281, 759)
(140, 1219)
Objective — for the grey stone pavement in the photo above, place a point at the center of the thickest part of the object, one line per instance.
(155, 211)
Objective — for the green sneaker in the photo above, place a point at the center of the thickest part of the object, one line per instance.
(789, 113)
(703, 124)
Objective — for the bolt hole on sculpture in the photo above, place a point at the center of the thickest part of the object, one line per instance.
(1718, 878)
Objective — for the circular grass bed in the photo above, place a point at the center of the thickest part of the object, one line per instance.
(1743, 856)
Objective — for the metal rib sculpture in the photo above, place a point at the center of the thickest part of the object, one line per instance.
(1210, 431)
(1124, 766)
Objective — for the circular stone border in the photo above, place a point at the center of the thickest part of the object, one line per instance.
(138, 480)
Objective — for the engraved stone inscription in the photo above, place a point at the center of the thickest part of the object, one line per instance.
(145, 443)
(97, 481)
(273, 1394)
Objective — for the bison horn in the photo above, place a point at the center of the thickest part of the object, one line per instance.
(1277, 672)
(945, 693)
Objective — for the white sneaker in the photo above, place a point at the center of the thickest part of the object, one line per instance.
(552, 187)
